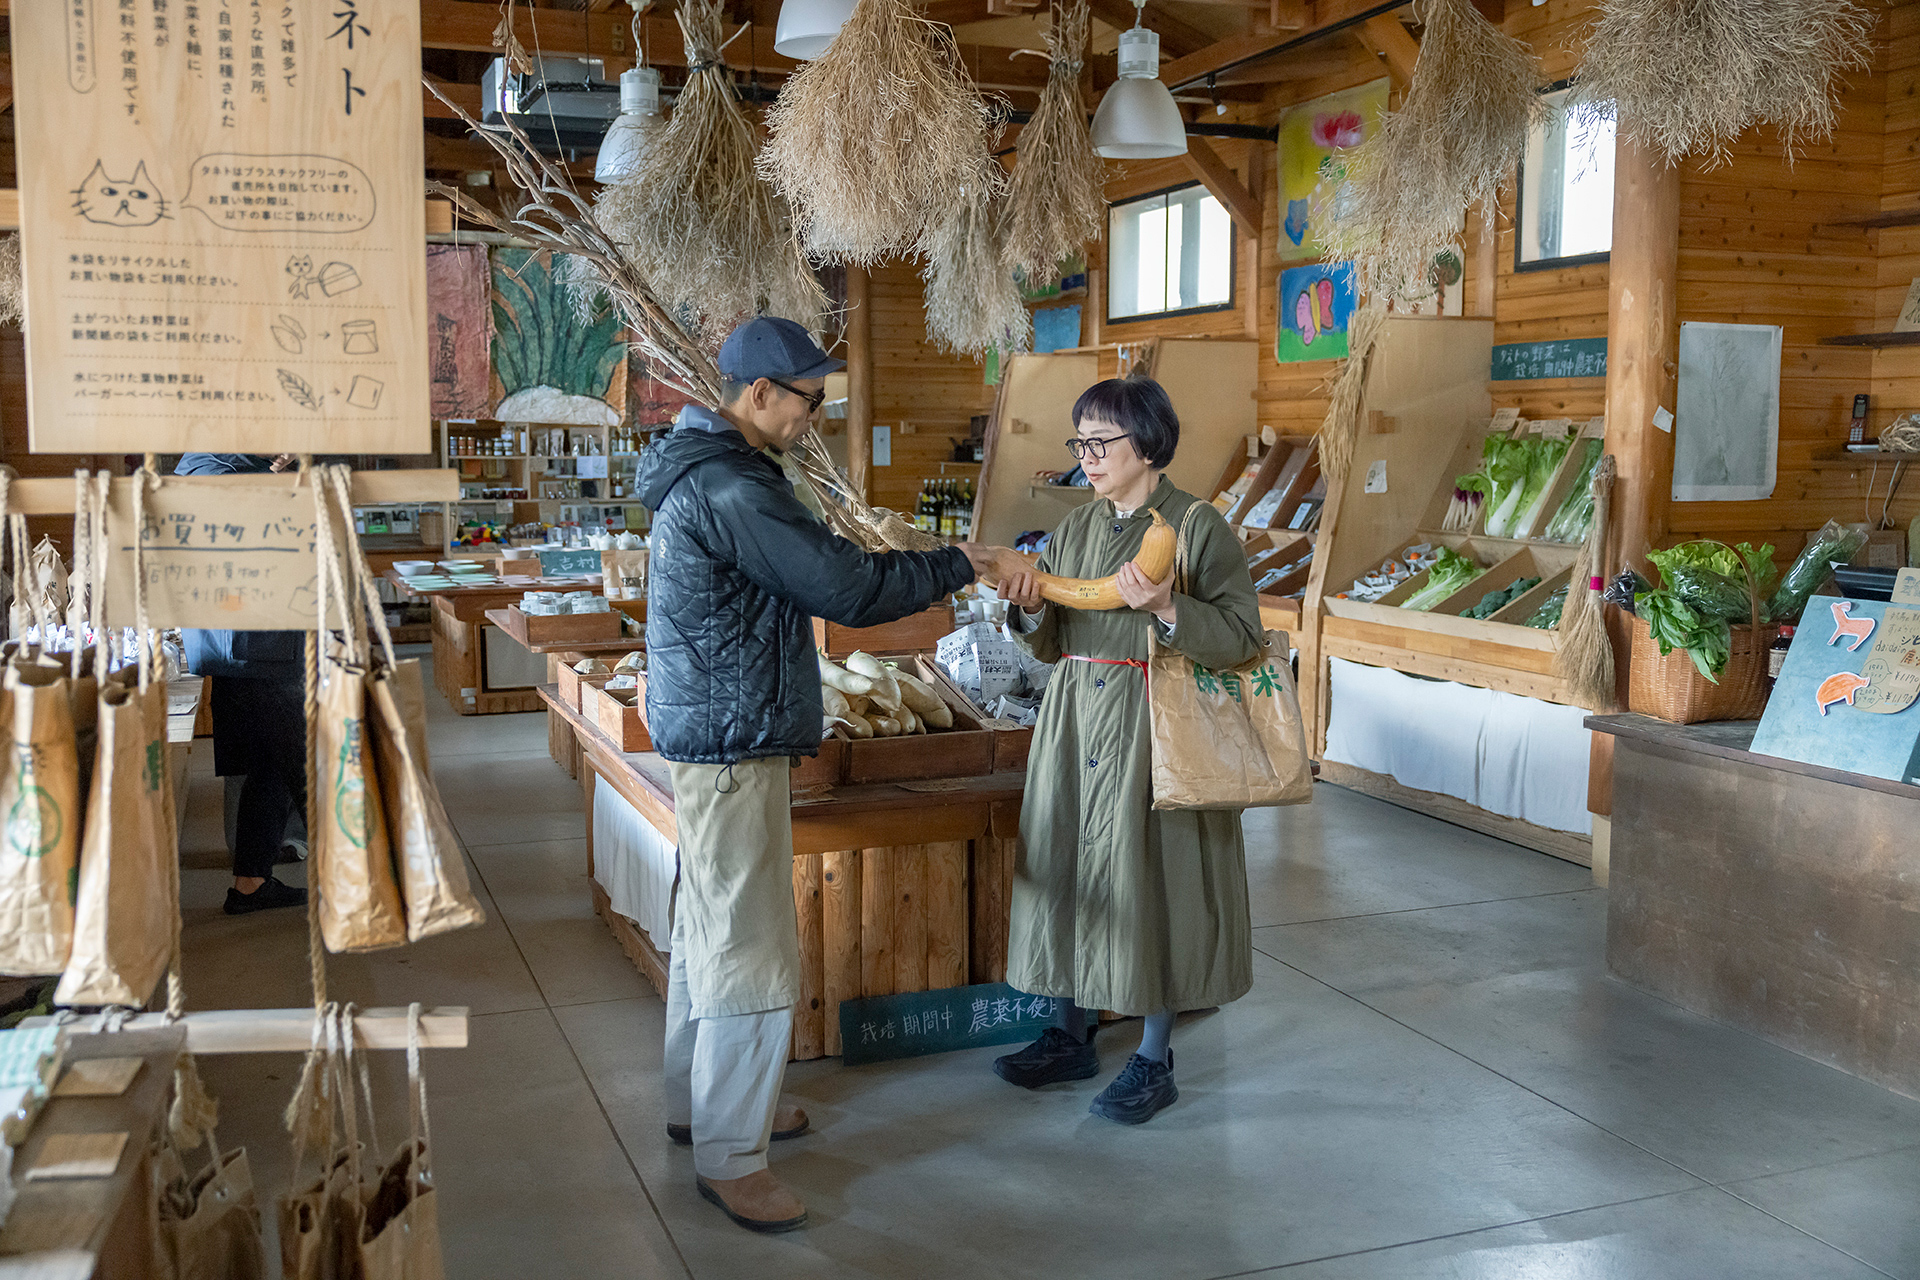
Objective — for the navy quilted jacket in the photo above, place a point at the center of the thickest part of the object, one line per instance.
(738, 569)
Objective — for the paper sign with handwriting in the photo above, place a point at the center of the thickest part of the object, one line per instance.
(225, 242)
(228, 557)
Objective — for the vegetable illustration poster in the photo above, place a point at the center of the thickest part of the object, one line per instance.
(1313, 137)
(224, 245)
(1316, 303)
(550, 364)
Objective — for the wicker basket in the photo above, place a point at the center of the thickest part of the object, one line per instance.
(1671, 688)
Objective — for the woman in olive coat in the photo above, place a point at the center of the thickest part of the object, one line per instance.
(1117, 905)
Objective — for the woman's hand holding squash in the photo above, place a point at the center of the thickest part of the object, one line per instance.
(1143, 593)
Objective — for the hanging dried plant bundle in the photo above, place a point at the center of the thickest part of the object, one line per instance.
(973, 302)
(13, 298)
(1453, 142)
(1342, 423)
(874, 528)
(1687, 77)
(1058, 195)
(870, 140)
(705, 233)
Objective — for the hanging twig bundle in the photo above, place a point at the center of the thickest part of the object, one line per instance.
(869, 141)
(1452, 143)
(973, 302)
(1342, 423)
(1687, 77)
(705, 233)
(13, 297)
(1058, 194)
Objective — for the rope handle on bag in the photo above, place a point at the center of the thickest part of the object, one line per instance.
(420, 1132)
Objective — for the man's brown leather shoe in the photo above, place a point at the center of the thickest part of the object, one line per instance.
(757, 1202)
(788, 1122)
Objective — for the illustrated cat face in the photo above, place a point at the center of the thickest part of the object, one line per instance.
(118, 202)
(300, 265)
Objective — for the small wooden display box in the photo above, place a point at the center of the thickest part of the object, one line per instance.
(921, 630)
(619, 713)
(563, 628)
(572, 684)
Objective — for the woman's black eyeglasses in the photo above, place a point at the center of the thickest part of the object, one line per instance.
(1094, 446)
(814, 399)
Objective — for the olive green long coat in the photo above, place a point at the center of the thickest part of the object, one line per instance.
(1117, 904)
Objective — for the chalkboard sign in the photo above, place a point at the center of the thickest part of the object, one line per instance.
(907, 1026)
(558, 564)
(1570, 358)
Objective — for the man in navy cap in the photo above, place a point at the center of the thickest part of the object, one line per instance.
(737, 571)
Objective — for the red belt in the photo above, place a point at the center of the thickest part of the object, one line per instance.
(1112, 662)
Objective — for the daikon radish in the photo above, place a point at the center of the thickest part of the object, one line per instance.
(923, 701)
(857, 726)
(886, 690)
(842, 679)
(836, 704)
(885, 726)
(909, 722)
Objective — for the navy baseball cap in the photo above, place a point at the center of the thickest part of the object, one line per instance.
(770, 347)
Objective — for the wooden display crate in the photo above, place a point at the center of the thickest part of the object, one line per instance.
(1011, 742)
(619, 713)
(964, 751)
(1505, 562)
(915, 631)
(570, 683)
(532, 629)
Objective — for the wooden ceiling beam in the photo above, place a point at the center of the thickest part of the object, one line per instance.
(1393, 44)
(1225, 186)
(1178, 37)
(1190, 69)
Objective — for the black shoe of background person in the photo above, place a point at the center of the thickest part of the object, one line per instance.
(269, 895)
(1054, 1057)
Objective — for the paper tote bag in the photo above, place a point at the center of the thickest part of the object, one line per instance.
(39, 820)
(209, 1226)
(123, 914)
(1227, 739)
(433, 874)
(360, 906)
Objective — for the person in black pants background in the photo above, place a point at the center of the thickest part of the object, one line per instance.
(256, 685)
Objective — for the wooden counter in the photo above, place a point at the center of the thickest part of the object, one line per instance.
(1780, 897)
(898, 887)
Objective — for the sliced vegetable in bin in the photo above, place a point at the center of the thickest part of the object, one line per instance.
(1450, 572)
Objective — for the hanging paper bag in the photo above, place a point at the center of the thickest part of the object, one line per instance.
(39, 820)
(209, 1224)
(623, 573)
(124, 910)
(400, 1239)
(433, 872)
(1225, 739)
(360, 905)
(320, 1221)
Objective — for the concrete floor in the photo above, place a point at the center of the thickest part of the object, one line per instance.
(1431, 1077)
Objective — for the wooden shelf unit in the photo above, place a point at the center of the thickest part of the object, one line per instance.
(1875, 340)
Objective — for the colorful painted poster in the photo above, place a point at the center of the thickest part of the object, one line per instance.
(459, 330)
(650, 402)
(1316, 302)
(1312, 137)
(550, 366)
(1055, 329)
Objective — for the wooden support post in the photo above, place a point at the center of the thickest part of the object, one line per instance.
(859, 379)
(1250, 251)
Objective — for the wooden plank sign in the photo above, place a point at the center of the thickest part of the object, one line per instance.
(223, 235)
(231, 556)
(921, 1022)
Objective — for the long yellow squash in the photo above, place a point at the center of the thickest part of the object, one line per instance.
(1155, 560)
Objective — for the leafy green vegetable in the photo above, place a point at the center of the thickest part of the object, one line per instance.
(1575, 516)
(1450, 572)
(1675, 625)
(1547, 616)
(1710, 578)
(1834, 544)
(1499, 599)
(1506, 465)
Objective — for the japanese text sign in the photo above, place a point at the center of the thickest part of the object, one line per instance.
(222, 224)
(922, 1022)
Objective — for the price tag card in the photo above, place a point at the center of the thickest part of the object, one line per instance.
(225, 238)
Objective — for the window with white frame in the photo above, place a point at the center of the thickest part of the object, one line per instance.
(1167, 253)
(1565, 212)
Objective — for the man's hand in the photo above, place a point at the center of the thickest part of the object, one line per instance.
(1143, 593)
(983, 557)
(282, 461)
(1022, 590)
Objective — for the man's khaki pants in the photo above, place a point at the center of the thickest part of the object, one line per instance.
(735, 961)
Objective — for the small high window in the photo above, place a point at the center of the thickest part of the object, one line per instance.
(1167, 254)
(1565, 214)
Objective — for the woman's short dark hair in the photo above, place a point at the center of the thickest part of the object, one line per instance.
(1138, 406)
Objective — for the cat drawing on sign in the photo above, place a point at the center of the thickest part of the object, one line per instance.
(300, 267)
(119, 202)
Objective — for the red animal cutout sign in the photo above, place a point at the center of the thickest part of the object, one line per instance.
(1836, 688)
(1844, 624)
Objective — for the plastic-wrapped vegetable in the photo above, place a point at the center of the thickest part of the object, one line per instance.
(1494, 601)
(1532, 463)
(1547, 616)
(1450, 572)
(1575, 516)
(1708, 577)
(1836, 543)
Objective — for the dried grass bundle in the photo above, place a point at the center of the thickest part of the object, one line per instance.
(1342, 423)
(1687, 77)
(973, 302)
(869, 141)
(13, 295)
(1058, 194)
(706, 234)
(1453, 143)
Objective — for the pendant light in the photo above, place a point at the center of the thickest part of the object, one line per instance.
(627, 136)
(1137, 118)
(807, 27)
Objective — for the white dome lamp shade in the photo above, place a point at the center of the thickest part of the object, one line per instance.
(626, 137)
(1137, 118)
(807, 27)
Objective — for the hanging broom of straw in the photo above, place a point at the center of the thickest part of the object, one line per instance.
(13, 297)
(1688, 77)
(1342, 423)
(1058, 194)
(707, 235)
(1453, 143)
(1585, 658)
(973, 303)
(869, 141)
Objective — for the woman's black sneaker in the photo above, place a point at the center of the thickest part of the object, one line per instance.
(269, 895)
(1143, 1089)
(1054, 1057)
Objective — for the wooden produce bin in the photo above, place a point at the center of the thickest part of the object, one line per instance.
(914, 632)
(620, 714)
(964, 751)
(565, 628)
